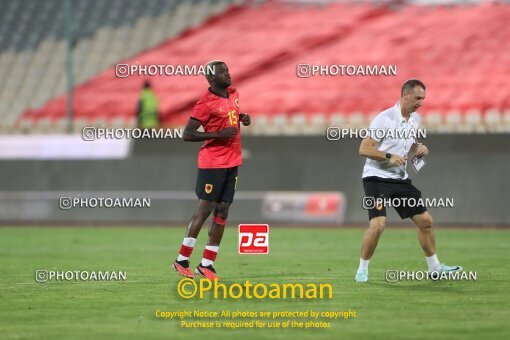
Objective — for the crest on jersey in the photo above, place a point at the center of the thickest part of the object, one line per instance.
(236, 101)
(208, 188)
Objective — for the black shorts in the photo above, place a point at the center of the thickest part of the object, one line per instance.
(216, 185)
(388, 189)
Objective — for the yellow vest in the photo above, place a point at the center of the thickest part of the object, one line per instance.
(149, 110)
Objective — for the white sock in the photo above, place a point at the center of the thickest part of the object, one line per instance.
(206, 262)
(433, 263)
(363, 264)
(188, 242)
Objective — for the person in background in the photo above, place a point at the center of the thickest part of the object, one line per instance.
(147, 112)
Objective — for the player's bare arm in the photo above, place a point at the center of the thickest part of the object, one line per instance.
(368, 149)
(191, 133)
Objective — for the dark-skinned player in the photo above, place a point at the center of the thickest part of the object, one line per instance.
(217, 111)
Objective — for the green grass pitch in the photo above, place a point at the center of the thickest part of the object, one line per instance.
(106, 310)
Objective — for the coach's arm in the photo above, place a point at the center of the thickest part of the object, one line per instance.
(191, 133)
(419, 149)
(368, 149)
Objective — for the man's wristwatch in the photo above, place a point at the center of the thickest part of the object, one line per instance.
(388, 156)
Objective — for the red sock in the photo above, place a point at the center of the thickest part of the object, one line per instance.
(210, 253)
(186, 248)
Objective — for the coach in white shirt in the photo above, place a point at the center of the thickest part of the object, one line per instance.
(385, 176)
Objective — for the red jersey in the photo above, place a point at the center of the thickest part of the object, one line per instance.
(217, 113)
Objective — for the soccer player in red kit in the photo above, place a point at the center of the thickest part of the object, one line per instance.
(220, 156)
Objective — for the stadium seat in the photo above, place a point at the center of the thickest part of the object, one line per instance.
(493, 120)
(337, 119)
(473, 121)
(79, 124)
(506, 121)
(33, 48)
(278, 124)
(43, 125)
(356, 120)
(259, 125)
(432, 121)
(297, 124)
(266, 49)
(23, 126)
(318, 123)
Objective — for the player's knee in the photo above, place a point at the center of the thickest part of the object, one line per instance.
(378, 224)
(205, 210)
(222, 210)
(425, 222)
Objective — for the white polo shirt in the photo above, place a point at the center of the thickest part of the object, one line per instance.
(397, 143)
